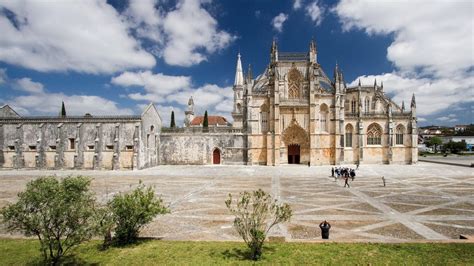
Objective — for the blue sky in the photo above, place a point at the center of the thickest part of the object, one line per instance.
(114, 57)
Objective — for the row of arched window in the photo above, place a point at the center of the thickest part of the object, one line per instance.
(374, 135)
(368, 105)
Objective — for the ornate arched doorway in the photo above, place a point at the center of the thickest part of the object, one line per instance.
(297, 143)
(216, 156)
(294, 154)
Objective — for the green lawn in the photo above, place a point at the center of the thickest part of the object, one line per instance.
(20, 252)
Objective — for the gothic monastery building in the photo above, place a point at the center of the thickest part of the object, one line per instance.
(292, 113)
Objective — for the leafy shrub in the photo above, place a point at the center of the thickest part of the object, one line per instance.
(131, 211)
(255, 214)
(59, 212)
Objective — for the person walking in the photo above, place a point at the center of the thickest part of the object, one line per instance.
(346, 181)
(325, 226)
(332, 172)
(357, 166)
(383, 180)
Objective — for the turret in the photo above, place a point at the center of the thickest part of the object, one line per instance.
(403, 106)
(375, 84)
(274, 52)
(189, 114)
(381, 86)
(238, 94)
(249, 75)
(313, 53)
(239, 75)
(413, 106)
(336, 73)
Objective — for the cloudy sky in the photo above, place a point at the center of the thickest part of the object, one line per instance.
(114, 57)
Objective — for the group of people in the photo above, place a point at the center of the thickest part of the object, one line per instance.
(344, 172)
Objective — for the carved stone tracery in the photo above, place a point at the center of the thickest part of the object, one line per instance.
(295, 134)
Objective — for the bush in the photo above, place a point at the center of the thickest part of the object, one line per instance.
(131, 211)
(255, 214)
(59, 213)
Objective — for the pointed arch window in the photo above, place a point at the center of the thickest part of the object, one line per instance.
(399, 133)
(264, 110)
(294, 83)
(374, 135)
(349, 131)
(323, 118)
(353, 106)
(367, 105)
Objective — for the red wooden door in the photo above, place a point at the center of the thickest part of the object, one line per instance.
(216, 156)
(294, 154)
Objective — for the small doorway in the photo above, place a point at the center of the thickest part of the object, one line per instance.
(294, 154)
(216, 156)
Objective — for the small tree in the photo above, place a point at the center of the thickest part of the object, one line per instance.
(172, 124)
(63, 110)
(455, 147)
(59, 213)
(434, 142)
(131, 211)
(255, 214)
(205, 123)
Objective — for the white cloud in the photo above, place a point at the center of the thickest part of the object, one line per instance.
(278, 21)
(432, 96)
(315, 12)
(191, 33)
(84, 36)
(432, 48)
(448, 118)
(145, 17)
(175, 91)
(25, 84)
(435, 36)
(41, 102)
(296, 4)
(155, 84)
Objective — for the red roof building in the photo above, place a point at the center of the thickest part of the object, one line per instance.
(213, 120)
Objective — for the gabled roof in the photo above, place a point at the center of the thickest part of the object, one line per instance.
(7, 111)
(212, 121)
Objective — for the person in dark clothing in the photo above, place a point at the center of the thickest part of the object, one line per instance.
(325, 226)
(332, 172)
(353, 174)
(346, 181)
(357, 166)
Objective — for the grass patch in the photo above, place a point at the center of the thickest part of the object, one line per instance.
(148, 252)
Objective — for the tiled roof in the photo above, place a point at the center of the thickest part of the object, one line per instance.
(212, 121)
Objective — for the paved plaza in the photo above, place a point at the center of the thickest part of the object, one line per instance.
(420, 202)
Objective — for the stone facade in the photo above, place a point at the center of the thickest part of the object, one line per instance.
(292, 113)
(89, 142)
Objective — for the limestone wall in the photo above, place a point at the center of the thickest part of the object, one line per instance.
(197, 148)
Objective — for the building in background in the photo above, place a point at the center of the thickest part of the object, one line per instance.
(292, 113)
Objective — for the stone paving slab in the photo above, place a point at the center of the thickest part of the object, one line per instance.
(423, 202)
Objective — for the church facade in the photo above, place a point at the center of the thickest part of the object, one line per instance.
(293, 113)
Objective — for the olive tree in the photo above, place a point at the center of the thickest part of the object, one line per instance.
(255, 214)
(60, 213)
(132, 210)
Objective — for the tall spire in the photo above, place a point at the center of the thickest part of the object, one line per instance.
(336, 73)
(239, 74)
(63, 110)
(413, 102)
(403, 106)
(381, 86)
(249, 73)
(359, 83)
(375, 83)
(274, 51)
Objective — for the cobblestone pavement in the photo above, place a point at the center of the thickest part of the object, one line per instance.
(419, 202)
